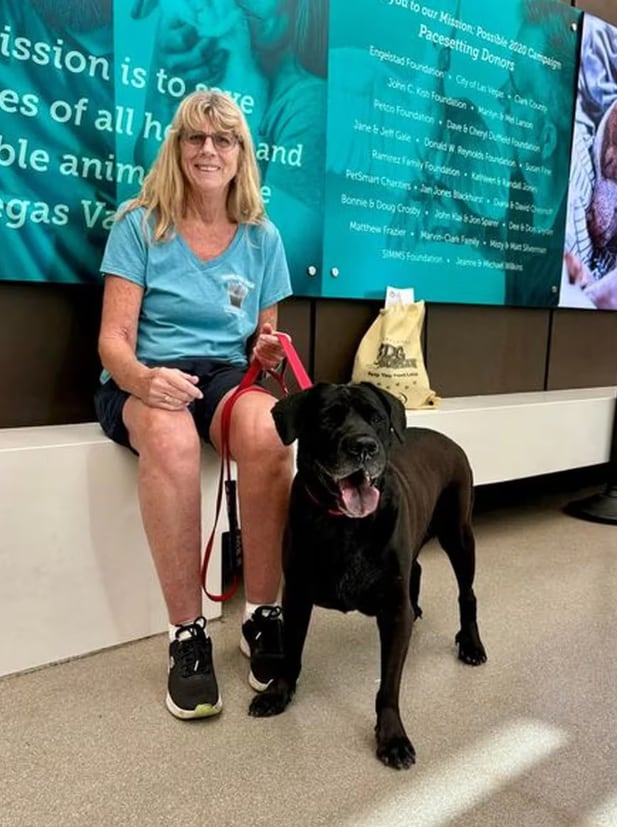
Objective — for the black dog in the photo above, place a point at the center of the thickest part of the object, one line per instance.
(358, 517)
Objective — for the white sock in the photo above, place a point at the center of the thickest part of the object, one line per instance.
(249, 608)
(173, 628)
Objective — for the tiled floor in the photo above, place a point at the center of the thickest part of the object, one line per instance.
(526, 740)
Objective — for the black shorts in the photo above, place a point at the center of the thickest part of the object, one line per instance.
(216, 378)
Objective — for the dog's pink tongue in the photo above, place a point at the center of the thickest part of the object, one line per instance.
(359, 501)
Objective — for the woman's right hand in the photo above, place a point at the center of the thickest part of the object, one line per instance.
(170, 389)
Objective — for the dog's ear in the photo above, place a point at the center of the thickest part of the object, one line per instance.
(394, 407)
(287, 415)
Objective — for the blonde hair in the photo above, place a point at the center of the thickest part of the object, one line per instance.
(165, 194)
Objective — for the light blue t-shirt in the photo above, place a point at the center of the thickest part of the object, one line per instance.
(194, 308)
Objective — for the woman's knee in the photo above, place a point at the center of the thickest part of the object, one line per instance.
(255, 439)
(266, 448)
(165, 437)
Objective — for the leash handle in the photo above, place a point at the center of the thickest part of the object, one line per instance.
(294, 361)
(255, 369)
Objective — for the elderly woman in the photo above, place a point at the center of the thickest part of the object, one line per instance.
(193, 274)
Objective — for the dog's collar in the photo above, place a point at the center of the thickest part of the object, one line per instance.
(333, 512)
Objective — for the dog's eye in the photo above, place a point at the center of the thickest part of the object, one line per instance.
(334, 417)
(331, 423)
(377, 419)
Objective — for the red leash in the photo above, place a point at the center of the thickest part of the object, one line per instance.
(292, 360)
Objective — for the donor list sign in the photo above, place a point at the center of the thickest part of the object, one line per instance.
(448, 140)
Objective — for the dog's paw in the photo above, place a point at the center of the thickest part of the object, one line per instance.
(470, 647)
(271, 702)
(397, 752)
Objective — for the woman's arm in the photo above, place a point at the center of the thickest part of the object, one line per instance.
(266, 346)
(268, 316)
(166, 388)
(118, 335)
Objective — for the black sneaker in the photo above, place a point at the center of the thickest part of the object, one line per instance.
(262, 642)
(192, 691)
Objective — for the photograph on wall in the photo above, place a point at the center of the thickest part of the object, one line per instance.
(448, 149)
(589, 274)
(89, 87)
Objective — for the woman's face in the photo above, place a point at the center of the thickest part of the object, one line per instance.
(209, 158)
(269, 21)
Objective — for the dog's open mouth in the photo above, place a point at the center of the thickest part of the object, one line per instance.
(358, 495)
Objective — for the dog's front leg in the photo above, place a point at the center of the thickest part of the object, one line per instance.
(297, 608)
(393, 746)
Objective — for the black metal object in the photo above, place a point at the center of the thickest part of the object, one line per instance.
(231, 540)
(602, 507)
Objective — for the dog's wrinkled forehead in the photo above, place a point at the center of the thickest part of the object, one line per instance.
(327, 407)
(351, 406)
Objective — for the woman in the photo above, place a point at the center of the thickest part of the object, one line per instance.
(193, 274)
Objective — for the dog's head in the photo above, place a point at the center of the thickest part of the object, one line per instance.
(344, 433)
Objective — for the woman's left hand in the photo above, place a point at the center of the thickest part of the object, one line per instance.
(268, 350)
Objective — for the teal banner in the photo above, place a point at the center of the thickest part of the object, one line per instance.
(88, 88)
(57, 162)
(448, 147)
(401, 143)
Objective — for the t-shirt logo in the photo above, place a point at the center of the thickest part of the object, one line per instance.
(237, 289)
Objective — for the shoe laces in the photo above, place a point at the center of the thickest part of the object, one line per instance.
(268, 612)
(194, 651)
(268, 632)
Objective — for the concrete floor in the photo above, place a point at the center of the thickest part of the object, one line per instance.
(527, 739)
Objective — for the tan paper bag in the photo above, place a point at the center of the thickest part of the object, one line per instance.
(390, 356)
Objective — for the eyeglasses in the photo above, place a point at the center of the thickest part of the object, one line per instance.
(223, 141)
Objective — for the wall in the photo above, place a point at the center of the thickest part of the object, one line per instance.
(49, 365)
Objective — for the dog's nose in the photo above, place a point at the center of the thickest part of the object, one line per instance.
(362, 447)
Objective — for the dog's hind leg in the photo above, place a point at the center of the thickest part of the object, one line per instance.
(455, 534)
(414, 587)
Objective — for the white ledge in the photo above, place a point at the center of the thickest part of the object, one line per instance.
(75, 569)
(511, 436)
